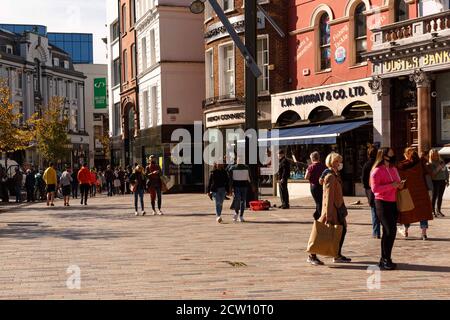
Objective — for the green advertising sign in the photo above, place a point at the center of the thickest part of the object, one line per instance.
(100, 93)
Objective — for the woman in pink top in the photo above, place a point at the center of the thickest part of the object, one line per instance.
(384, 182)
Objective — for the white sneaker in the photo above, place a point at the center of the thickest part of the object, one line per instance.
(154, 213)
(241, 219)
(136, 213)
(160, 212)
(235, 217)
(219, 219)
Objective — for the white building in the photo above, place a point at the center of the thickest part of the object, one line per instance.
(96, 118)
(36, 71)
(114, 74)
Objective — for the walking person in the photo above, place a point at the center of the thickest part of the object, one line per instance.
(18, 181)
(51, 180)
(440, 179)
(109, 177)
(284, 172)
(3, 186)
(84, 178)
(365, 178)
(116, 181)
(240, 181)
(385, 182)
(154, 184)
(313, 172)
(75, 184)
(411, 169)
(333, 206)
(66, 181)
(138, 184)
(40, 185)
(93, 183)
(218, 187)
(122, 179)
(30, 182)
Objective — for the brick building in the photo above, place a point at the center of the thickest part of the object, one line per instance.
(224, 106)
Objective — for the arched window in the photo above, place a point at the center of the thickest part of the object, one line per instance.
(400, 10)
(125, 65)
(124, 18)
(133, 60)
(324, 35)
(360, 32)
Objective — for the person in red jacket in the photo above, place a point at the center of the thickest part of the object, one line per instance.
(84, 178)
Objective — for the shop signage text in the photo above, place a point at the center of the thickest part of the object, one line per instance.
(410, 63)
(229, 116)
(338, 94)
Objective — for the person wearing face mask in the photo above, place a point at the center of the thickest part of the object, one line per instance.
(413, 171)
(333, 200)
(384, 182)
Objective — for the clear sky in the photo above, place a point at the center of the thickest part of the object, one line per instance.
(84, 16)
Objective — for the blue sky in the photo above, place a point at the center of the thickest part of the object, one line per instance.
(87, 16)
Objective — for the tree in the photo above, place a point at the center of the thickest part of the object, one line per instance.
(105, 140)
(50, 131)
(13, 135)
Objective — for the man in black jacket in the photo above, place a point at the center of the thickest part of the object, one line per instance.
(284, 173)
(109, 177)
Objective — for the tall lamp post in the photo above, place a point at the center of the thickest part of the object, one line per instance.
(248, 51)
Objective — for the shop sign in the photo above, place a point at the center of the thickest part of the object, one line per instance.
(218, 30)
(340, 55)
(332, 95)
(410, 63)
(227, 116)
(100, 93)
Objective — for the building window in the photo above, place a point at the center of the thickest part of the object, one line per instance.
(19, 80)
(156, 120)
(20, 111)
(115, 32)
(400, 10)
(124, 18)
(67, 84)
(209, 74)
(55, 62)
(262, 48)
(324, 34)
(227, 5)
(76, 90)
(125, 65)
(74, 119)
(132, 13)
(144, 53)
(226, 65)
(56, 87)
(144, 110)
(116, 71)
(360, 32)
(133, 60)
(152, 47)
(117, 122)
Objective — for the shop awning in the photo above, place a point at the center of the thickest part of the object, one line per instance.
(319, 134)
(445, 151)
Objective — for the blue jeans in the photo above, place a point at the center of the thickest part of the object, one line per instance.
(240, 199)
(219, 196)
(139, 192)
(375, 223)
(423, 224)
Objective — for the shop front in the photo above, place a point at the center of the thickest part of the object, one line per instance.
(337, 118)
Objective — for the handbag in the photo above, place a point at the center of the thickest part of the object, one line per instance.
(133, 187)
(324, 239)
(404, 200)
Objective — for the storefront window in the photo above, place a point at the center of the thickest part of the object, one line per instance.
(325, 50)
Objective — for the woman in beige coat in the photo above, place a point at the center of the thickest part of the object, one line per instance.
(333, 199)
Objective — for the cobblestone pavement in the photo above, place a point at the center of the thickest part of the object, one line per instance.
(185, 254)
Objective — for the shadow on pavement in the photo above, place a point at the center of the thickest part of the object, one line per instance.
(279, 222)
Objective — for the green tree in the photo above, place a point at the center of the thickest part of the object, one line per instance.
(13, 135)
(50, 131)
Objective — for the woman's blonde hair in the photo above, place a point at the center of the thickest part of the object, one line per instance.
(139, 168)
(432, 153)
(331, 158)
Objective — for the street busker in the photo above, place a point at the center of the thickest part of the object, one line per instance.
(240, 182)
(412, 170)
(440, 180)
(154, 184)
(66, 182)
(313, 173)
(30, 182)
(138, 185)
(334, 211)
(84, 179)
(365, 178)
(51, 181)
(385, 183)
(218, 188)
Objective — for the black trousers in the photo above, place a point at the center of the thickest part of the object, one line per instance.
(341, 244)
(284, 194)
(438, 193)
(387, 214)
(84, 190)
(317, 194)
(74, 190)
(30, 194)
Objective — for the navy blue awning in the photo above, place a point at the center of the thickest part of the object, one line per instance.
(319, 134)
